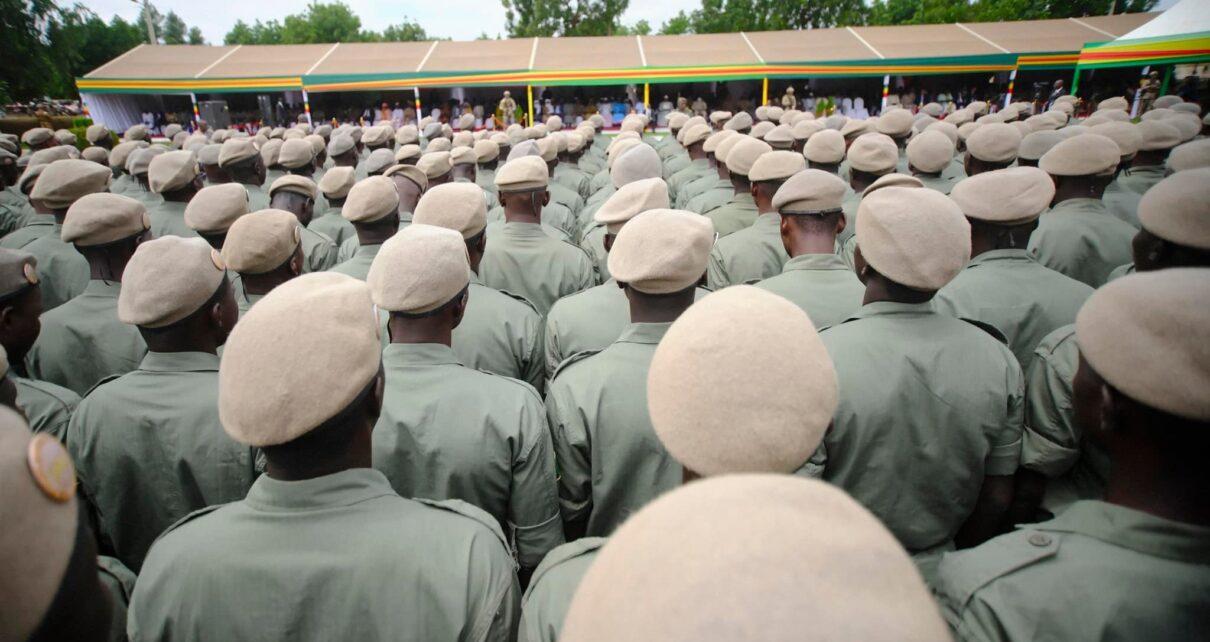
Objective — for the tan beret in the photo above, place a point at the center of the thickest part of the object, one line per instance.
(63, 182)
(102, 218)
(718, 117)
(379, 160)
(18, 271)
(1035, 145)
(412, 173)
(235, 151)
(895, 122)
(1158, 135)
(776, 165)
(725, 146)
(662, 251)
(96, 133)
(261, 241)
(892, 180)
(825, 146)
(463, 139)
(960, 117)
(1147, 335)
(277, 386)
(1010, 196)
(554, 123)
(695, 134)
(439, 145)
(1188, 125)
(548, 148)
(760, 129)
(52, 154)
(407, 135)
(965, 130)
(172, 171)
(635, 163)
(139, 162)
(917, 238)
(1083, 155)
(715, 139)
(676, 120)
(270, 152)
(431, 130)
(781, 137)
(1166, 101)
(631, 199)
(1190, 155)
(762, 345)
(618, 145)
(930, 152)
(994, 143)
(1157, 114)
(98, 155)
(1187, 107)
(740, 122)
(374, 136)
(762, 113)
(296, 184)
(419, 269)
(216, 207)
(575, 142)
(456, 206)
(121, 152)
(774, 113)
(855, 127)
(873, 152)
(487, 151)
(742, 156)
(340, 144)
(168, 279)
(804, 129)
(206, 155)
(337, 182)
(435, 164)
(1126, 135)
(742, 557)
(810, 191)
(41, 522)
(524, 174)
(296, 153)
(406, 152)
(1177, 209)
(29, 177)
(370, 200)
(1116, 102)
(318, 144)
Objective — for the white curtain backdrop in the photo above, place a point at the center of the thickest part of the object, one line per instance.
(115, 111)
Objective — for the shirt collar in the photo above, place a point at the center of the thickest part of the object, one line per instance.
(768, 219)
(367, 252)
(423, 354)
(744, 198)
(1135, 530)
(1011, 254)
(41, 219)
(345, 488)
(179, 362)
(522, 230)
(1079, 204)
(648, 333)
(815, 262)
(887, 308)
(101, 288)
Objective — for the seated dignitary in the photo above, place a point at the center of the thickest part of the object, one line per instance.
(609, 458)
(815, 278)
(500, 333)
(373, 208)
(148, 444)
(321, 531)
(239, 158)
(213, 211)
(175, 177)
(741, 211)
(335, 186)
(63, 271)
(1134, 565)
(746, 425)
(265, 249)
(932, 489)
(1004, 285)
(1079, 236)
(46, 406)
(297, 194)
(447, 431)
(756, 252)
(83, 341)
(522, 258)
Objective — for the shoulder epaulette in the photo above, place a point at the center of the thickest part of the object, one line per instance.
(190, 517)
(988, 328)
(520, 298)
(469, 510)
(99, 384)
(963, 574)
(569, 361)
(564, 553)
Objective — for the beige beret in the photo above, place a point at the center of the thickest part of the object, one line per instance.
(662, 251)
(1190, 155)
(781, 137)
(215, 208)
(96, 133)
(463, 156)
(873, 152)
(296, 184)
(930, 151)
(725, 146)
(41, 522)
(431, 130)
(525, 148)
(172, 171)
(743, 155)
(895, 122)
(463, 139)
(318, 144)
(52, 154)
(137, 132)
(121, 152)
(1158, 135)
(715, 139)
(762, 346)
(1036, 144)
(407, 152)
(65, 181)
(548, 148)
(524, 174)
(102, 218)
(374, 136)
(805, 129)
(947, 128)
(773, 112)
(1010, 196)
(1187, 125)
(825, 146)
(695, 134)
(676, 120)
(206, 155)
(1166, 101)
(855, 127)
(18, 271)
(597, 121)
(439, 145)
(98, 155)
(296, 153)
(168, 279)
(276, 386)
(892, 180)
(740, 122)
(776, 166)
(760, 129)
(762, 113)
(340, 144)
(1177, 209)
(487, 151)
(635, 163)
(630, 199)
(994, 143)
(1126, 135)
(1147, 335)
(917, 238)
(407, 135)
(270, 152)
(810, 191)
(436, 164)
(261, 241)
(716, 117)
(1116, 102)
(965, 130)
(960, 117)
(554, 123)
(419, 269)
(619, 144)
(139, 162)
(1187, 107)
(456, 206)
(337, 182)
(743, 557)
(1083, 155)
(236, 150)
(379, 160)
(410, 172)
(370, 200)
(27, 180)
(575, 141)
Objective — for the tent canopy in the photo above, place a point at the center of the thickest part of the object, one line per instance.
(1179, 35)
(612, 60)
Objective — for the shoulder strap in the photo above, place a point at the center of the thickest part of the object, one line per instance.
(469, 510)
(963, 574)
(988, 328)
(575, 358)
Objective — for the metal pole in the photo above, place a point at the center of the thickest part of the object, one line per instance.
(151, 39)
(764, 94)
(416, 92)
(196, 113)
(886, 90)
(529, 100)
(307, 107)
(1012, 80)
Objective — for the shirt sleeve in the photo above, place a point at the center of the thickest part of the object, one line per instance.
(716, 272)
(534, 504)
(573, 452)
(1052, 438)
(1005, 453)
(533, 367)
(554, 354)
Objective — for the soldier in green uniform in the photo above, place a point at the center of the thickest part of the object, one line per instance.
(741, 211)
(500, 333)
(601, 183)
(676, 157)
(297, 157)
(42, 220)
(270, 154)
(756, 252)
(714, 188)
(825, 150)
(239, 158)
(1078, 236)
(670, 145)
(342, 151)
(610, 460)
(321, 530)
(693, 138)
(568, 197)
(815, 278)
(870, 157)
(46, 406)
(522, 258)
(1147, 168)
(214, 209)
(175, 177)
(64, 272)
(138, 166)
(448, 431)
(373, 208)
(1139, 394)
(410, 183)
(123, 183)
(1004, 285)
(1122, 201)
(568, 171)
(928, 155)
(297, 194)
(558, 212)
(335, 186)
(15, 209)
(487, 157)
(905, 369)
(207, 157)
(154, 433)
(635, 164)
(265, 249)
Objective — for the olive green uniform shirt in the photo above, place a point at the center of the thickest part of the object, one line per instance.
(698, 186)
(593, 242)
(1141, 179)
(16, 208)
(821, 284)
(568, 175)
(715, 197)
(609, 457)
(334, 226)
(1123, 203)
(502, 334)
(358, 266)
(39, 225)
(738, 213)
(47, 407)
(82, 341)
(125, 185)
(119, 582)
(553, 585)
(751, 254)
(450, 432)
(168, 218)
(567, 197)
(1097, 572)
(149, 449)
(523, 260)
(1020, 297)
(940, 183)
(696, 169)
(929, 406)
(63, 270)
(554, 214)
(1080, 238)
(338, 557)
(319, 252)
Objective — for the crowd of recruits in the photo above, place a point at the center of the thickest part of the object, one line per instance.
(932, 307)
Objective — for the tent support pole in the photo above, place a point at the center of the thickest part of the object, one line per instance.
(886, 90)
(1075, 80)
(1167, 80)
(764, 93)
(529, 94)
(647, 97)
(307, 106)
(416, 96)
(196, 112)
(1012, 80)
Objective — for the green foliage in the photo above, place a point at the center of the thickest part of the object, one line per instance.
(406, 31)
(900, 12)
(717, 16)
(195, 37)
(157, 20)
(530, 18)
(175, 31)
(321, 23)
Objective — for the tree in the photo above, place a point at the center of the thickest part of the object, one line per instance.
(406, 31)
(333, 22)
(175, 30)
(240, 34)
(157, 21)
(530, 18)
(677, 25)
(195, 36)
